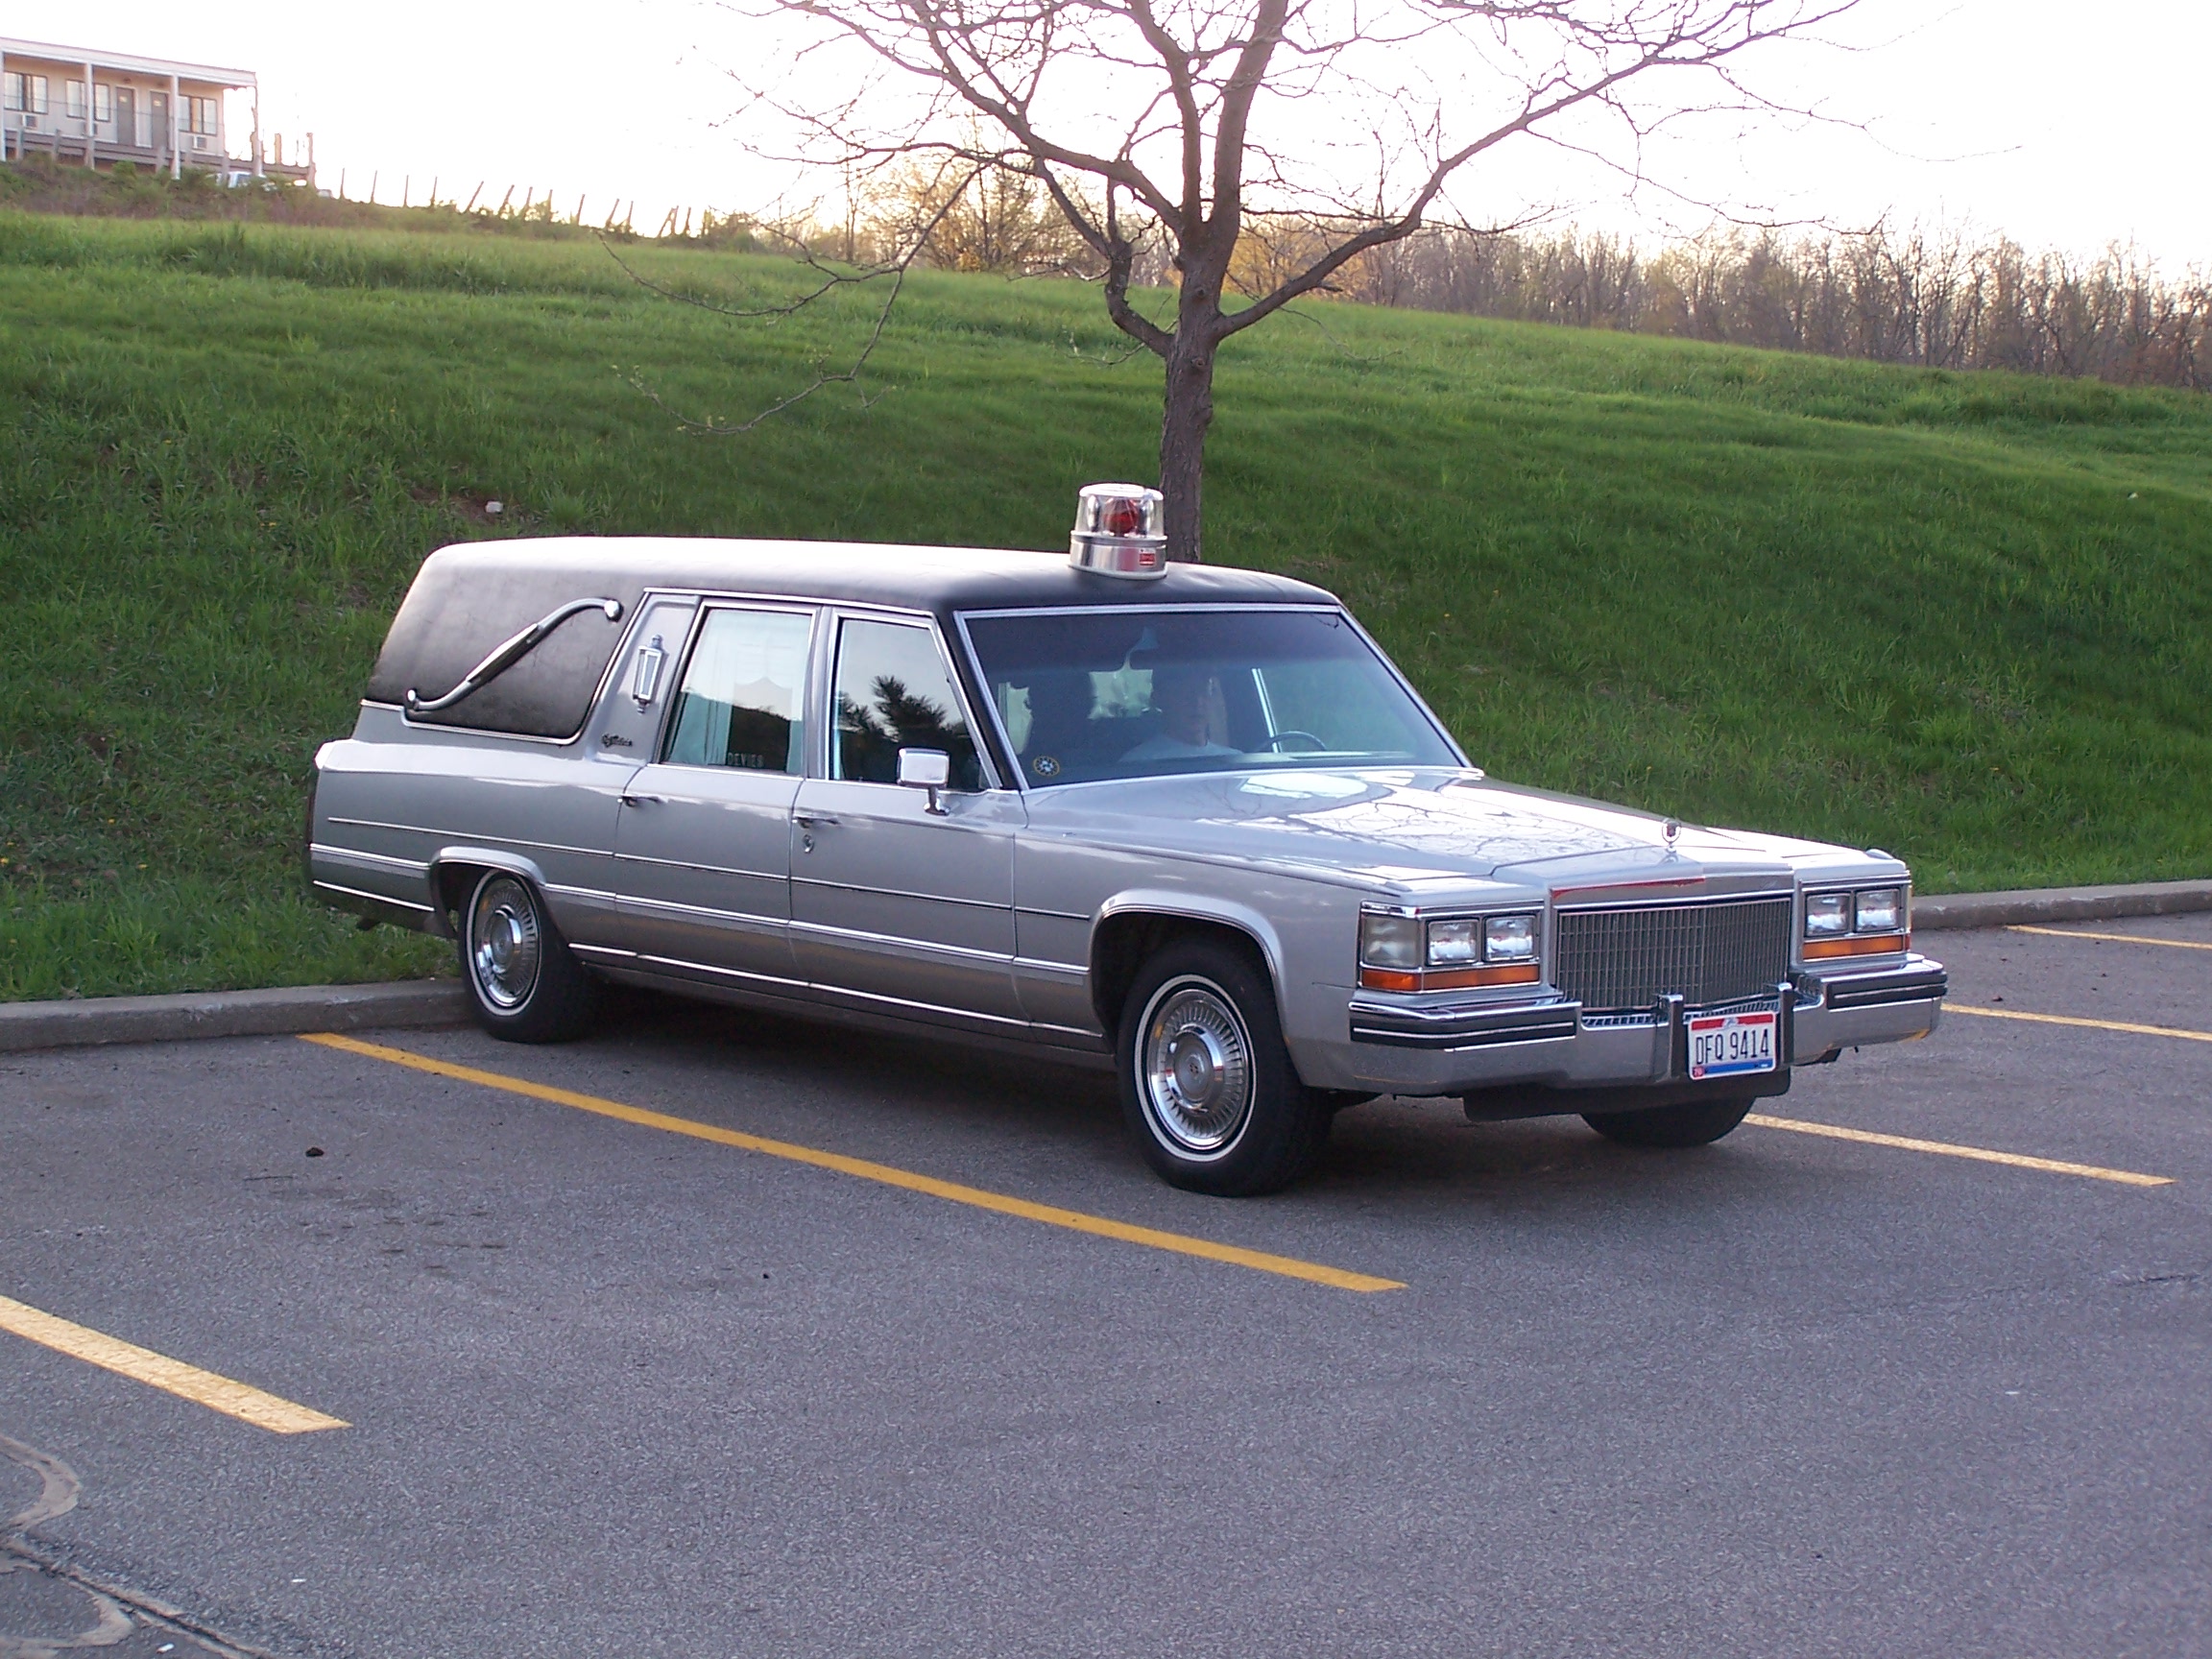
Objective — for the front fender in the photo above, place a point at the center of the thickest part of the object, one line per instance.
(1194, 907)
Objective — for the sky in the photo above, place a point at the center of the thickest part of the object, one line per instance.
(2059, 125)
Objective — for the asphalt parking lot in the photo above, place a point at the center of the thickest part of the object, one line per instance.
(744, 1337)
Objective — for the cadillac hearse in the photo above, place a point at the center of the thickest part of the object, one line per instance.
(1183, 819)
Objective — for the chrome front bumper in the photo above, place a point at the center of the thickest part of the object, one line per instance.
(1400, 1047)
(1843, 1010)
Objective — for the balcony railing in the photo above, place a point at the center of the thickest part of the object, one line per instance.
(18, 143)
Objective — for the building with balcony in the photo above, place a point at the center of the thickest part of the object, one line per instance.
(96, 109)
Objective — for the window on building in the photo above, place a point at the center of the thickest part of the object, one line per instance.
(103, 102)
(206, 115)
(74, 96)
(24, 93)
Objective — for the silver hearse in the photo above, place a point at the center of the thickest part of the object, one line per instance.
(1187, 817)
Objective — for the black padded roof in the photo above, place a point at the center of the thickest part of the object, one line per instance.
(468, 597)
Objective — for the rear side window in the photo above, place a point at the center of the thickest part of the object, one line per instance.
(743, 693)
(893, 694)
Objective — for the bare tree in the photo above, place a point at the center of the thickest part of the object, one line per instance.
(1204, 122)
(996, 220)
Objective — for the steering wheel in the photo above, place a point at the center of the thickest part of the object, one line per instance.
(1317, 747)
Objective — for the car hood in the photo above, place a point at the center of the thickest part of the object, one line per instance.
(1400, 829)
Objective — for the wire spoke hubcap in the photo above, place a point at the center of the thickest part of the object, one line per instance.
(505, 943)
(1197, 1068)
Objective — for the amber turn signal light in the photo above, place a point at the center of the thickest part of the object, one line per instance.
(1866, 945)
(1449, 978)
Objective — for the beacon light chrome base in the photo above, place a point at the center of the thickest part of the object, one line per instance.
(1119, 531)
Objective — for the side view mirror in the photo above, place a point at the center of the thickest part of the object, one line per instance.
(930, 769)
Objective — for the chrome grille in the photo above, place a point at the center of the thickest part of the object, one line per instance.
(1630, 956)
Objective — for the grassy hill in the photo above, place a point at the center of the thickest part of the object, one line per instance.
(1966, 617)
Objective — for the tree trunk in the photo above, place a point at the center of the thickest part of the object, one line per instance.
(1188, 411)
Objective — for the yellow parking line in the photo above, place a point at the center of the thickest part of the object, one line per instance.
(2182, 1032)
(2115, 938)
(1947, 1149)
(1051, 1216)
(249, 1405)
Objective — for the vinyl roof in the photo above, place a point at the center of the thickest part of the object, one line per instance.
(939, 579)
(468, 597)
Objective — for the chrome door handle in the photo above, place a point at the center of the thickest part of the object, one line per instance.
(814, 820)
(629, 799)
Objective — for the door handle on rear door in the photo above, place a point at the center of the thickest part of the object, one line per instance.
(630, 800)
(814, 820)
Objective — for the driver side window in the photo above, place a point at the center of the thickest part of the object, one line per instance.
(892, 692)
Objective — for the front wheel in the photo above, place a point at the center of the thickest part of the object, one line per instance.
(1693, 1123)
(524, 983)
(1207, 1085)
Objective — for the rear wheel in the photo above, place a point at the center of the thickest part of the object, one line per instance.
(1695, 1123)
(1207, 1085)
(524, 983)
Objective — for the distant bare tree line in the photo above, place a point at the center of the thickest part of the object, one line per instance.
(1937, 300)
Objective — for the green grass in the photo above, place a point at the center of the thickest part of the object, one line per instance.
(1966, 617)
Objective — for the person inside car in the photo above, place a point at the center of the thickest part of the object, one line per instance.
(1185, 697)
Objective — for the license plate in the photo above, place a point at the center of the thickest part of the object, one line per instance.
(1730, 1044)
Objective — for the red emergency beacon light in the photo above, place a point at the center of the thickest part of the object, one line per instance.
(1119, 531)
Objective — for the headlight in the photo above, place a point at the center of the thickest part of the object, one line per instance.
(1389, 941)
(1827, 915)
(1881, 910)
(1454, 944)
(1861, 922)
(1509, 939)
(1399, 952)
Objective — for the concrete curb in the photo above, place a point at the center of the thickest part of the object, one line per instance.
(1945, 911)
(294, 1008)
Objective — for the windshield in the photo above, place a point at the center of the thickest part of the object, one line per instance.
(1089, 694)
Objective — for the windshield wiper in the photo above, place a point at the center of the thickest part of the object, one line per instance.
(505, 655)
